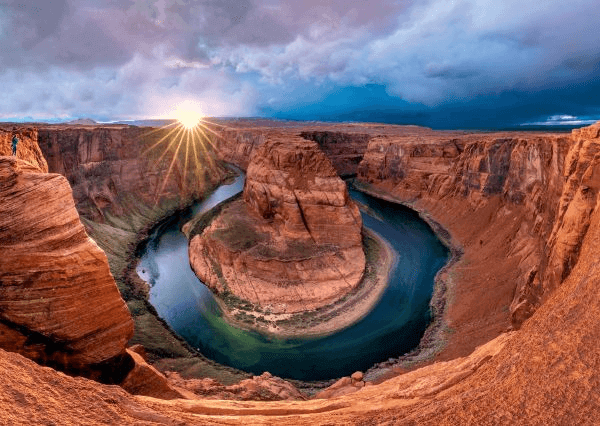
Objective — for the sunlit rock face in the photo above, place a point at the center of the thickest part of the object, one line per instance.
(59, 304)
(118, 170)
(292, 183)
(294, 242)
(27, 147)
(542, 188)
(544, 373)
(343, 144)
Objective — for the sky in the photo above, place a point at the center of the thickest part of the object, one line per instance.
(439, 63)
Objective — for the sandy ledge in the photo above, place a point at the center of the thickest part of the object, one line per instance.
(381, 258)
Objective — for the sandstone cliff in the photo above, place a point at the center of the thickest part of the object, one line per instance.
(344, 144)
(117, 170)
(544, 373)
(294, 243)
(125, 180)
(27, 148)
(518, 204)
(58, 301)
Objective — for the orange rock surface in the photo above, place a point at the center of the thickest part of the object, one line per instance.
(344, 144)
(294, 243)
(517, 204)
(544, 372)
(58, 301)
(119, 169)
(27, 147)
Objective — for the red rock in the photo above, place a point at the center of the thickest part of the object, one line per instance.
(262, 388)
(120, 170)
(357, 376)
(143, 379)
(544, 373)
(294, 243)
(496, 193)
(58, 301)
(27, 148)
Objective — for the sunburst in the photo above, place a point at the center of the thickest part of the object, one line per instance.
(188, 118)
(187, 144)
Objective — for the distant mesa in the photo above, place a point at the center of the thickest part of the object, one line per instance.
(82, 122)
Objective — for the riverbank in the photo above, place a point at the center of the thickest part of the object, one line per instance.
(380, 260)
(438, 332)
(121, 238)
(449, 335)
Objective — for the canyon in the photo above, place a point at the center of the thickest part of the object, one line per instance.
(293, 244)
(519, 327)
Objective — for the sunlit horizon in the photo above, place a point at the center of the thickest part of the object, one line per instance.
(189, 136)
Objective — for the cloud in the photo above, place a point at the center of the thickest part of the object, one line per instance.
(561, 120)
(496, 59)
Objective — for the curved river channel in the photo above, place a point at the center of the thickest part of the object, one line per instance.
(392, 328)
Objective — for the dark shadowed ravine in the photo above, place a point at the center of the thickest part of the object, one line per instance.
(394, 326)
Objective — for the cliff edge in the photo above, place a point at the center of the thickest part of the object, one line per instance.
(59, 304)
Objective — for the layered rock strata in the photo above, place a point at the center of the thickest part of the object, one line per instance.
(116, 170)
(344, 144)
(293, 244)
(544, 373)
(518, 204)
(27, 147)
(59, 304)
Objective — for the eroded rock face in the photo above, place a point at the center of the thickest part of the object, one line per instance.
(58, 301)
(294, 243)
(578, 200)
(120, 169)
(292, 183)
(533, 193)
(27, 148)
(265, 387)
(544, 373)
(343, 144)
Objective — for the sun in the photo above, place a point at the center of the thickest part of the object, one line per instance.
(188, 114)
(188, 118)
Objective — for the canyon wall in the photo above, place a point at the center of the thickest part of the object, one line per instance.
(344, 144)
(518, 204)
(494, 204)
(126, 179)
(58, 301)
(116, 170)
(27, 148)
(294, 243)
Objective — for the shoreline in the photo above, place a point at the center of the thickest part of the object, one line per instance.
(122, 241)
(333, 318)
(435, 337)
(434, 334)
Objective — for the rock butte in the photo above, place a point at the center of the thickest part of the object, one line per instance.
(293, 244)
(545, 371)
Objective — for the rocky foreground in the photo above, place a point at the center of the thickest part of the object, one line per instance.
(523, 209)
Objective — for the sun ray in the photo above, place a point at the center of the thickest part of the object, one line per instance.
(178, 128)
(187, 146)
(207, 156)
(167, 149)
(196, 159)
(173, 160)
(189, 142)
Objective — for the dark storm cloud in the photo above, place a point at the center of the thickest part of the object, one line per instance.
(428, 59)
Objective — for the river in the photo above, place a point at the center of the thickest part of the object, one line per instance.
(394, 326)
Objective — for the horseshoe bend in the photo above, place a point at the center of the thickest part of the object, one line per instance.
(514, 331)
